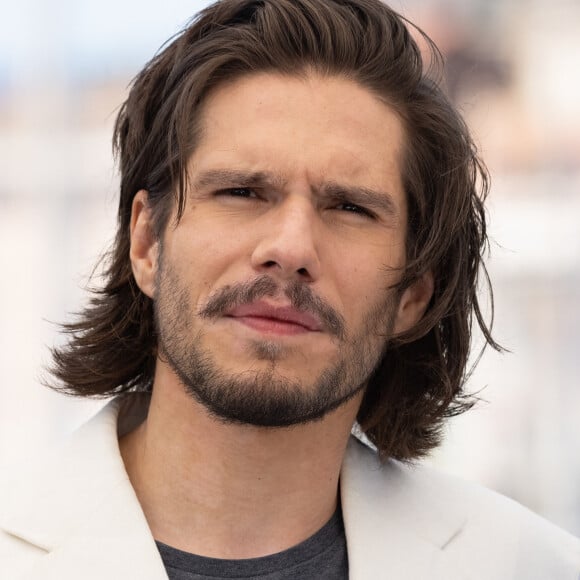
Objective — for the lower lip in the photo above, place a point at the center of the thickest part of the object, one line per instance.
(272, 325)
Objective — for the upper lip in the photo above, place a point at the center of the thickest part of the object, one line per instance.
(281, 313)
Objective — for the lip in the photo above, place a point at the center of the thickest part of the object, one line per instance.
(278, 319)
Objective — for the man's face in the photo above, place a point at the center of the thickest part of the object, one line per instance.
(272, 292)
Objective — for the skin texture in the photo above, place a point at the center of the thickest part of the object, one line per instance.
(296, 181)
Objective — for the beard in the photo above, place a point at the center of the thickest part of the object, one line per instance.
(264, 396)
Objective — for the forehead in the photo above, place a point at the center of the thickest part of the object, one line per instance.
(319, 128)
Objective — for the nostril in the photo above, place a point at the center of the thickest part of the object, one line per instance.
(303, 272)
(270, 264)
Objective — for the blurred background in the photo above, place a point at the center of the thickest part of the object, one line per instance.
(513, 68)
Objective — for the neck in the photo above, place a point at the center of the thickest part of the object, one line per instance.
(233, 491)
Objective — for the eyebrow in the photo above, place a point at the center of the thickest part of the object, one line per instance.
(380, 201)
(233, 177)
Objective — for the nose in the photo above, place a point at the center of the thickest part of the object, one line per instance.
(287, 242)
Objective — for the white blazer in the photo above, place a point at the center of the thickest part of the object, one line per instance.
(77, 517)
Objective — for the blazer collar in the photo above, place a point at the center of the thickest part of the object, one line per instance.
(398, 521)
(81, 508)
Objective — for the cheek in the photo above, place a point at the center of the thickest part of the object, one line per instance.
(366, 270)
(204, 257)
(359, 288)
(365, 286)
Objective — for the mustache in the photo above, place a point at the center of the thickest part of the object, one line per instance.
(301, 297)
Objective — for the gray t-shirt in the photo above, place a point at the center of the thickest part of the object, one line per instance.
(321, 557)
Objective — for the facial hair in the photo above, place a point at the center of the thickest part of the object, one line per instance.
(264, 396)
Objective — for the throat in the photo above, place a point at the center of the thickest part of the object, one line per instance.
(233, 491)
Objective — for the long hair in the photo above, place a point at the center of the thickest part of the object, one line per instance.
(419, 382)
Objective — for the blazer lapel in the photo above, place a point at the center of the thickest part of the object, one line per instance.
(396, 525)
(80, 508)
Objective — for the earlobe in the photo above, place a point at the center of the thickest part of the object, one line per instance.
(413, 303)
(144, 244)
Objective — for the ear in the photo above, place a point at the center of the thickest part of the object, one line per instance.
(144, 244)
(413, 303)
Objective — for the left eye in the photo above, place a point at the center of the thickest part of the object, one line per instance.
(353, 208)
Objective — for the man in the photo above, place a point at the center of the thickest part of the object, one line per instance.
(300, 234)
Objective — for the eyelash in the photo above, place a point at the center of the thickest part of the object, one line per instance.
(234, 192)
(249, 193)
(357, 209)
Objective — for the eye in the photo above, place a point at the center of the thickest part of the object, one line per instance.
(244, 192)
(355, 209)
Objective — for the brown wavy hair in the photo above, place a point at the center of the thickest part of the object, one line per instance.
(419, 382)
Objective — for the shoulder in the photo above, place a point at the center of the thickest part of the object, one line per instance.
(477, 526)
(44, 499)
(62, 513)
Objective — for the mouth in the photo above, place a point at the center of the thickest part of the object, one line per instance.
(272, 319)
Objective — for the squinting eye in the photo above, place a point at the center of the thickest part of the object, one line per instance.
(356, 209)
(238, 192)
